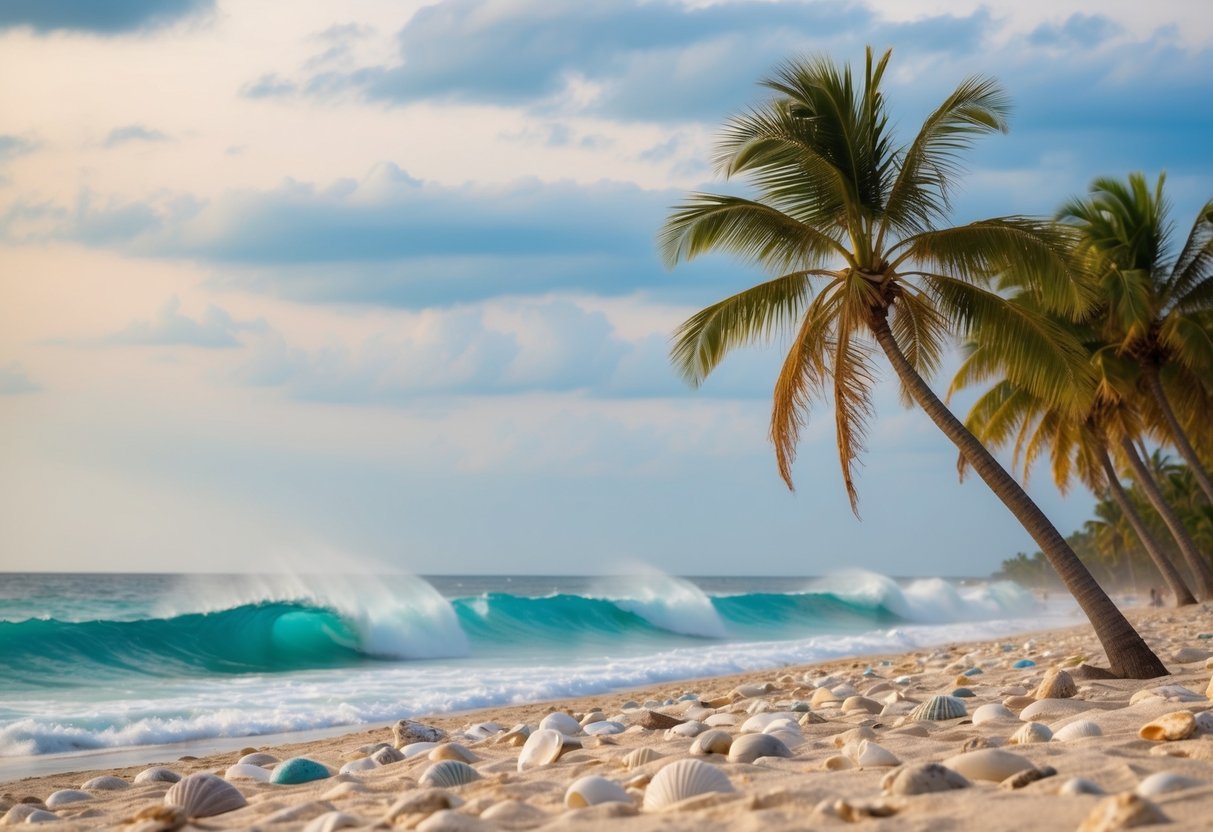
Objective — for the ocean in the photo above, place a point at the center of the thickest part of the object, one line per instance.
(92, 662)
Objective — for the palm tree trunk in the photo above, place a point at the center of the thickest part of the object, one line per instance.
(1201, 573)
(1128, 654)
(1178, 434)
(1183, 596)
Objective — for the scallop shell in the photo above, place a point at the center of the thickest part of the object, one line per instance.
(449, 774)
(562, 722)
(106, 783)
(1078, 785)
(453, 751)
(641, 756)
(749, 747)
(992, 712)
(1079, 729)
(939, 708)
(867, 754)
(361, 764)
(1031, 732)
(682, 779)
(244, 771)
(922, 778)
(992, 764)
(712, 741)
(64, 797)
(1177, 725)
(1155, 785)
(202, 795)
(258, 758)
(1057, 684)
(592, 790)
(542, 748)
(156, 774)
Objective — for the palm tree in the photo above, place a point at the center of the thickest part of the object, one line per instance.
(841, 204)
(1156, 303)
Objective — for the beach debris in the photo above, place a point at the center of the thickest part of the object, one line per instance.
(749, 747)
(712, 741)
(868, 754)
(1027, 777)
(541, 748)
(258, 758)
(992, 712)
(453, 751)
(1078, 785)
(1079, 729)
(65, 797)
(562, 722)
(203, 795)
(407, 732)
(991, 764)
(332, 821)
(156, 774)
(449, 774)
(1177, 725)
(642, 756)
(938, 708)
(1162, 782)
(244, 771)
(1031, 732)
(1122, 811)
(387, 755)
(592, 790)
(106, 783)
(923, 778)
(683, 779)
(1057, 684)
(298, 770)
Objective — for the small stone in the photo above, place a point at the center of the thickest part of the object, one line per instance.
(406, 732)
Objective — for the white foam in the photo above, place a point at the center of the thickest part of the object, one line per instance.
(668, 603)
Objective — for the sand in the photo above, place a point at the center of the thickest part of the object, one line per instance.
(817, 786)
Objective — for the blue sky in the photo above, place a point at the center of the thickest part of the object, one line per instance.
(376, 281)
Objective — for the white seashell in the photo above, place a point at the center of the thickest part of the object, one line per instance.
(156, 774)
(922, 778)
(562, 722)
(453, 751)
(542, 748)
(258, 758)
(592, 716)
(387, 755)
(682, 779)
(860, 704)
(1057, 684)
(823, 697)
(1204, 722)
(641, 756)
(1079, 729)
(784, 724)
(332, 821)
(516, 736)
(65, 797)
(759, 722)
(18, 813)
(361, 764)
(686, 729)
(1156, 784)
(1120, 812)
(41, 816)
(604, 727)
(1031, 732)
(448, 774)
(712, 741)
(991, 764)
(415, 749)
(592, 790)
(1048, 710)
(867, 754)
(244, 771)
(1177, 725)
(106, 783)
(483, 730)
(854, 735)
(1077, 785)
(749, 747)
(939, 708)
(721, 720)
(992, 712)
(203, 795)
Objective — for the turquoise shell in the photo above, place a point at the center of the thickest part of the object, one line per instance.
(299, 770)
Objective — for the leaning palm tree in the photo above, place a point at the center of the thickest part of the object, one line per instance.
(850, 222)
(1157, 301)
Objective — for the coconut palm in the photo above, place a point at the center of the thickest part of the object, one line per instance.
(1157, 302)
(850, 222)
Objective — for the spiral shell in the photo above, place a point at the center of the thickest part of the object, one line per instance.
(592, 790)
(938, 708)
(156, 774)
(1077, 730)
(106, 783)
(749, 747)
(449, 774)
(202, 795)
(682, 779)
(712, 741)
(562, 722)
(541, 748)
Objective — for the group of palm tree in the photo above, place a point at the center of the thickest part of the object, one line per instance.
(1093, 337)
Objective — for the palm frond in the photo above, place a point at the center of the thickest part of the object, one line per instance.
(1190, 343)
(1194, 266)
(921, 333)
(854, 376)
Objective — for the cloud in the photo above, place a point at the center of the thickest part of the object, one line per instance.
(13, 146)
(133, 133)
(268, 86)
(214, 330)
(100, 17)
(15, 382)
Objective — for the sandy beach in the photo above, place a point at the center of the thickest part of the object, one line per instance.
(839, 743)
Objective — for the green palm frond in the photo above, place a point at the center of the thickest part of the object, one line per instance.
(1190, 343)
(999, 412)
(1194, 266)
(1127, 296)
(921, 332)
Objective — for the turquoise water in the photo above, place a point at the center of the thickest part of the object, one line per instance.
(110, 661)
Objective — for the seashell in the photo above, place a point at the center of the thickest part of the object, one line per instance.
(407, 732)
(1027, 777)
(65, 797)
(361, 764)
(604, 727)
(1023, 663)
(106, 783)
(448, 774)
(867, 754)
(1187, 655)
(592, 790)
(860, 704)
(1204, 722)
(749, 747)
(759, 722)
(18, 814)
(1177, 725)
(542, 748)
(1077, 785)
(453, 751)
(298, 770)
(1120, 812)
(811, 718)
(939, 708)
(258, 758)
(424, 802)
(837, 762)
(777, 725)
(974, 743)
(721, 720)
(642, 756)
(922, 778)
(712, 741)
(750, 691)
(686, 729)
(203, 795)
(1079, 729)
(992, 764)
(516, 736)
(514, 814)
(1048, 710)
(483, 731)
(387, 755)
(562, 722)
(156, 774)
(332, 821)
(592, 716)
(854, 735)
(992, 712)
(682, 779)
(1176, 693)
(1157, 784)
(1031, 732)
(41, 816)
(1057, 684)
(244, 771)
(962, 693)
(416, 749)
(823, 697)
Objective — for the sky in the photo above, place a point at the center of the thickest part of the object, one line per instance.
(333, 284)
